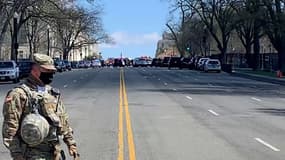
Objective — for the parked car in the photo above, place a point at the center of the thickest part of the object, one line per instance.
(156, 62)
(25, 67)
(81, 64)
(174, 62)
(9, 71)
(165, 62)
(201, 62)
(74, 64)
(118, 62)
(212, 65)
(140, 62)
(110, 62)
(88, 64)
(127, 62)
(195, 61)
(148, 61)
(67, 65)
(60, 66)
(185, 63)
(96, 63)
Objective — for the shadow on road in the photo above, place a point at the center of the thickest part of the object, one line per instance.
(272, 111)
(206, 90)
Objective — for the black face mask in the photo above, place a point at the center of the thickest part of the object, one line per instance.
(46, 78)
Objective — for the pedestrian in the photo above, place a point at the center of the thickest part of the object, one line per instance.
(35, 118)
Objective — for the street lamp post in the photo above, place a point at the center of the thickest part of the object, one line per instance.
(48, 40)
(15, 37)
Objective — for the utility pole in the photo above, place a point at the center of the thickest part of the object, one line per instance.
(48, 40)
(14, 54)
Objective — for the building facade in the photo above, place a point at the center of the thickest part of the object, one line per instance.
(166, 47)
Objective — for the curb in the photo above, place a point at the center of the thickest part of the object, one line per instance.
(258, 78)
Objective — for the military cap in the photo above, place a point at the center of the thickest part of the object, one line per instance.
(44, 61)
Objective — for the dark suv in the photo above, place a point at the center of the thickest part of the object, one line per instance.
(174, 62)
(67, 64)
(185, 63)
(165, 62)
(156, 62)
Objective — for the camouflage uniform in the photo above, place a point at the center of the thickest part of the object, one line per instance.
(16, 107)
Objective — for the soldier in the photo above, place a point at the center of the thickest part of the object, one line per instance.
(35, 117)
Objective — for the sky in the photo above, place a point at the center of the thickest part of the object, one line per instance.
(135, 25)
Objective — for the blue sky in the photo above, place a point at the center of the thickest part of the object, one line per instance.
(135, 25)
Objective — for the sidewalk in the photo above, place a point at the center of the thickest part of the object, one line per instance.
(264, 78)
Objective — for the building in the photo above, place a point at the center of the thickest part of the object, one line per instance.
(166, 47)
(53, 49)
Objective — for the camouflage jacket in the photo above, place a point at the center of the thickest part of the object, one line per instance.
(16, 107)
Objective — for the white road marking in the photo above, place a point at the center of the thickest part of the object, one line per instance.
(210, 84)
(267, 144)
(256, 99)
(65, 86)
(158, 79)
(74, 81)
(196, 79)
(165, 83)
(189, 97)
(214, 113)
(174, 89)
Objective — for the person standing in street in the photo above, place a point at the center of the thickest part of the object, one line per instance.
(35, 118)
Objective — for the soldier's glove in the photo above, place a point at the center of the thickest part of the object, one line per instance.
(18, 157)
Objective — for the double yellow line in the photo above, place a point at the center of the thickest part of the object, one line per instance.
(124, 107)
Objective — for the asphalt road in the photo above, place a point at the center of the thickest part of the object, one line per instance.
(160, 114)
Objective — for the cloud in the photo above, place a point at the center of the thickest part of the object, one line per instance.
(129, 39)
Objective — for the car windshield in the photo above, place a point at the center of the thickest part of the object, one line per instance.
(6, 65)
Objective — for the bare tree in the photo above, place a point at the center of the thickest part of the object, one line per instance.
(217, 16)
(180, 30)
(274, 28)
(79, 27)
(248, 27)
(199, 37)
